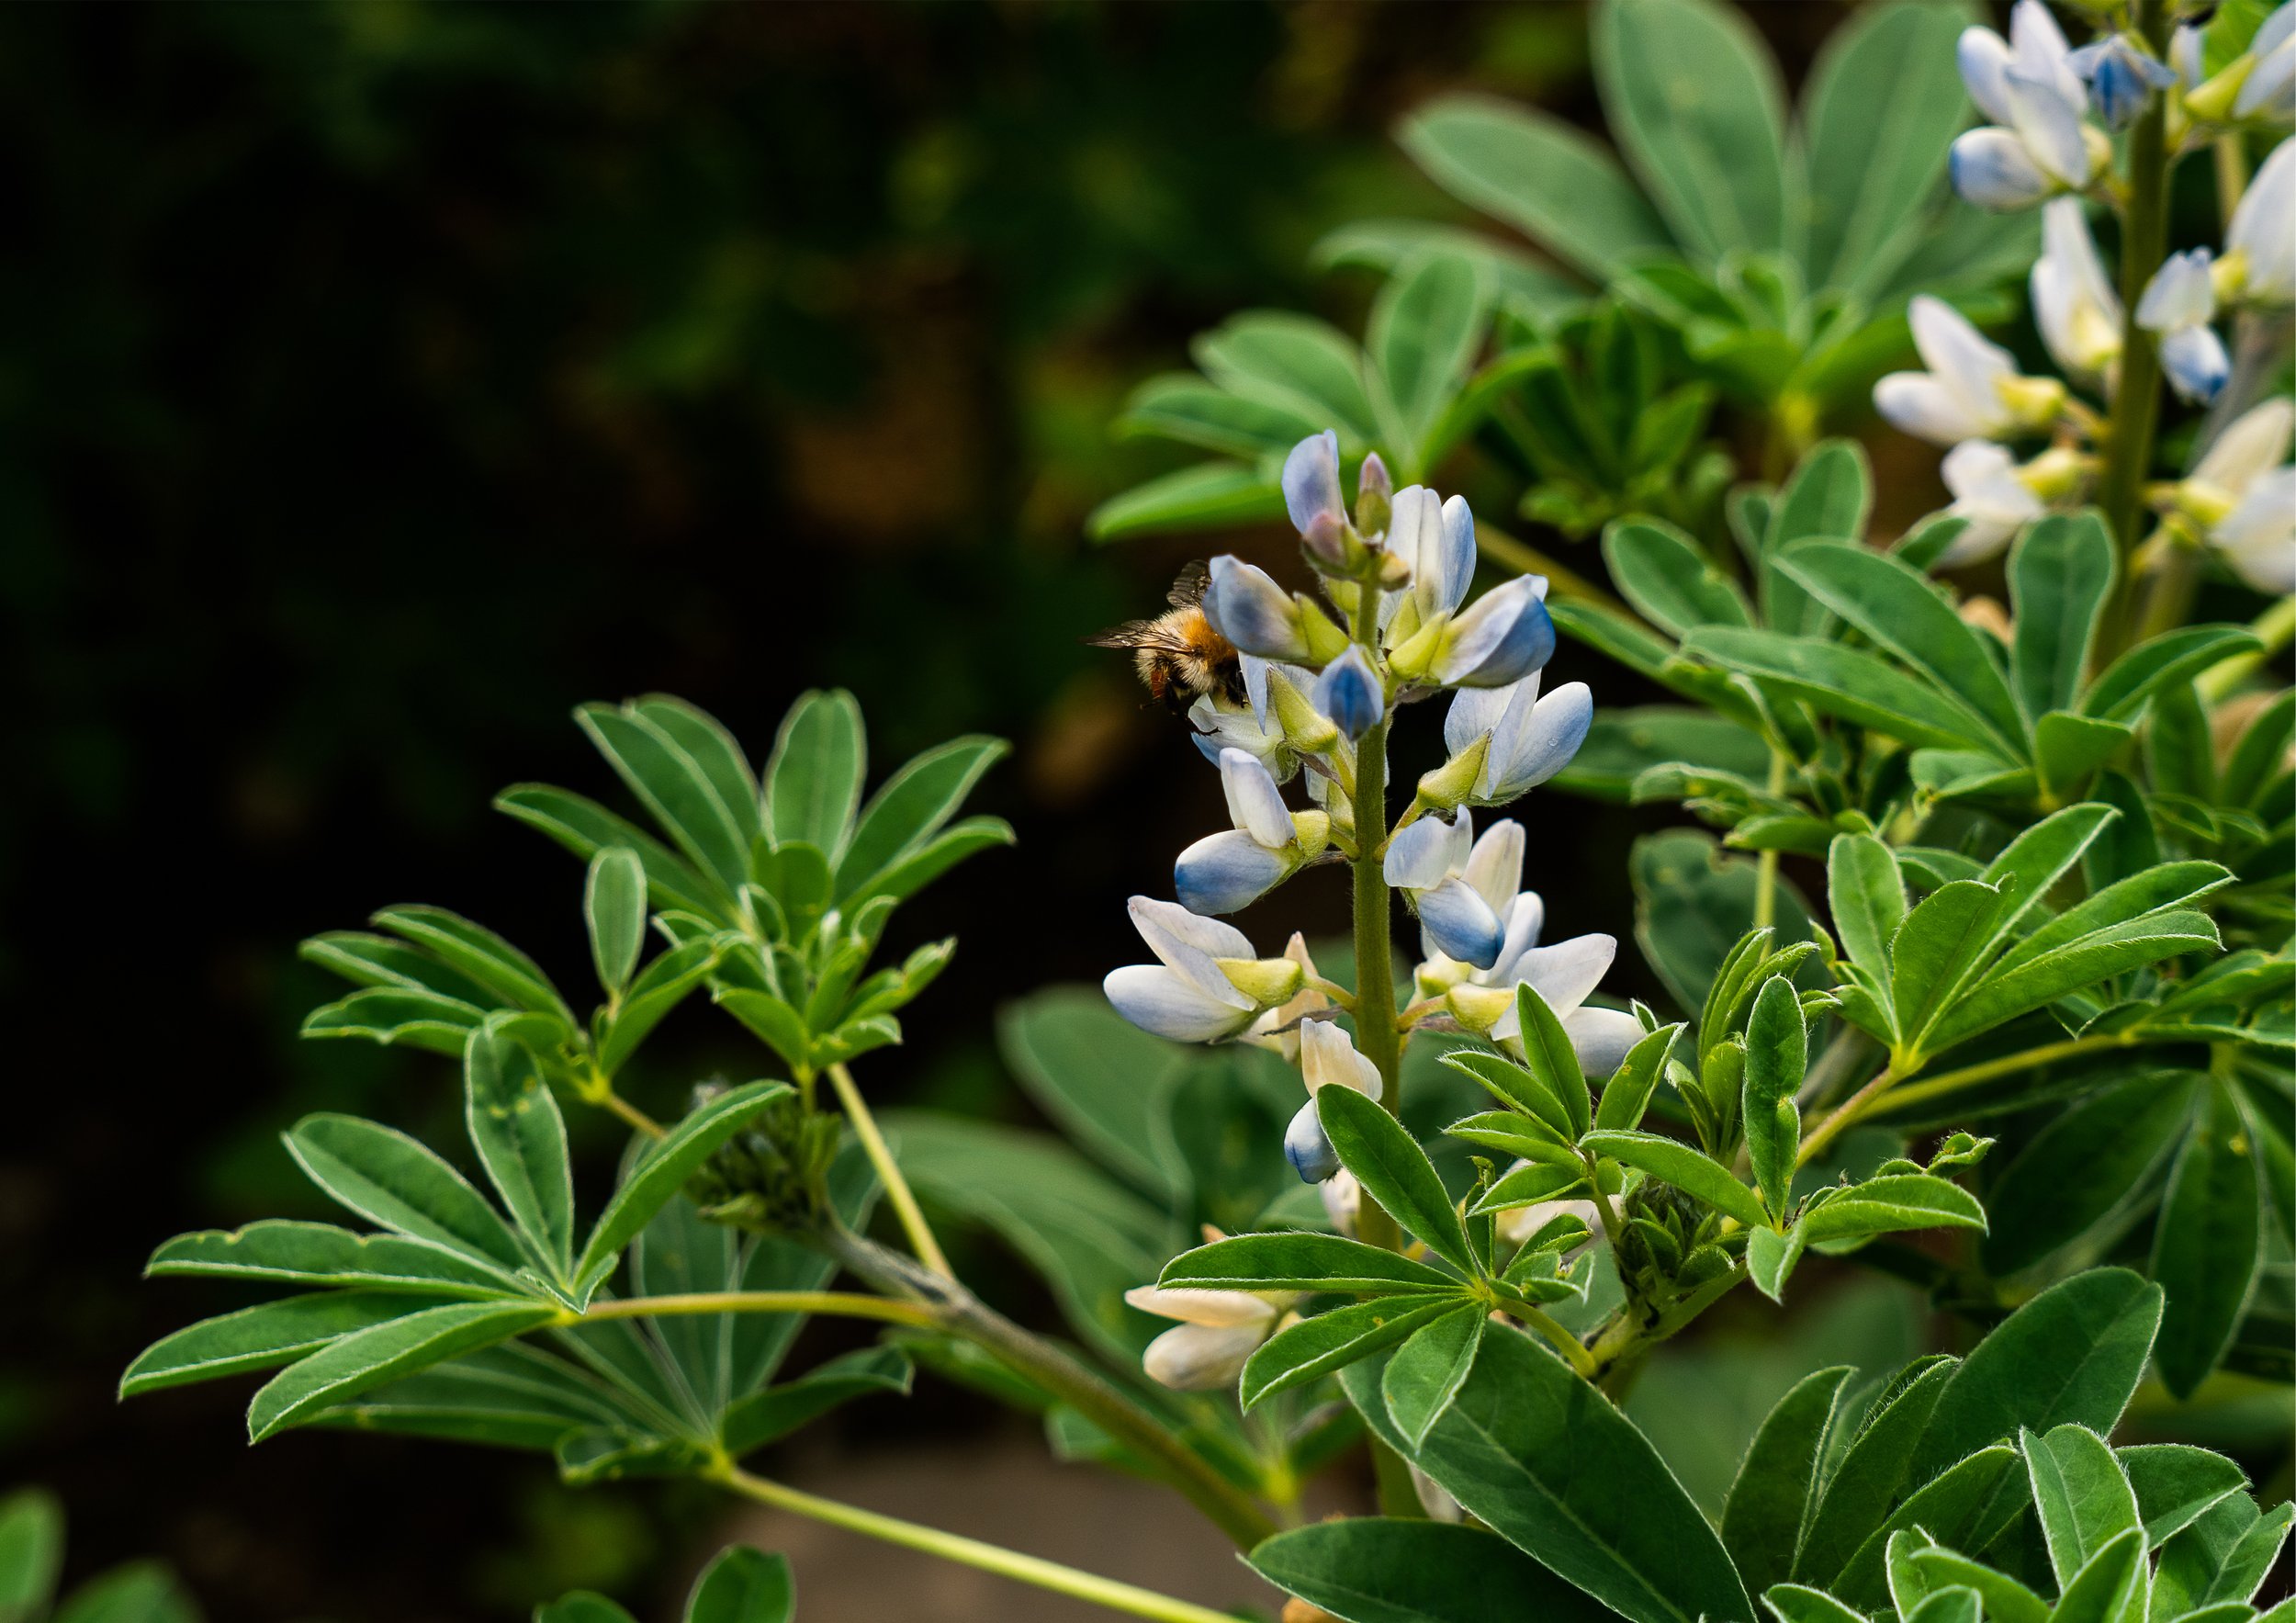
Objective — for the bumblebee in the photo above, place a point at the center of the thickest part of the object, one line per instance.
(1177, 654)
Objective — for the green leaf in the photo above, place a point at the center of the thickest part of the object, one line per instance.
(690, 804)
(480, 953)
(282, 1252)
(2206, 1248)
(397, 1014)
(1422, 334)
(661, 986)
(138, 1592)
(614, 905)
(32, 1553)
(743, 1585)
(381, 961)
(2071, 1356)
(1775, 1494)
(1375, 1569)
(514, 1395)
(1529, 1186)
(582, 1605)
(1298, 1353)
(1866, 895)
(585, 828)
(1939, 947)
(1887, 1204)
(813, 782)
(1771, 1258)
(2079, 1495)
(1883, 103)
(711, 748)
(1549, 1055)
(766, 1416)
(1872, 1470)
(2087, 1171)
(1428, 1369)
(2019, 984)
(2061, 572)
(1394, 1171)
(1627, 1094)
(1546, 1462)
(2005, 1599)
(1292, 362)
(1295, 1261)
(2222, 1557)
(2045, 852)
(399, 1182)
(1903, 611)
(1623, 744)
(258, 1338)
(2068, 747)
(1538, 174)
(1694, 97)
(1843, 682)
(400, 1346)
(1669, 580)
(2129, 683)
(1777, 1052)
(1948, 1508)
(913, 805)
(1795, 1603)
(1829, 497)
(1183, 407)
(521, 1139)
(1693, 906)
(1207, 495)
(1690, 1170)
(2175, 1484)
(2108, 1586)
(1518, 1086)
(657, 1179)
(920, 867)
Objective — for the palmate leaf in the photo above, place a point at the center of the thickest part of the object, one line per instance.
(662, 1172)
(704, 815)
(516, 1395)
(2207, 1248)
(260, 1337)
(516, 1126)
(1847, 682)
(401, 1184)
(1394, 1171)
(1775, 1492)
(280, 1251)
(384, 1352)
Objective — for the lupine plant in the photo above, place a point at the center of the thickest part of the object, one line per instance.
(1978, 963)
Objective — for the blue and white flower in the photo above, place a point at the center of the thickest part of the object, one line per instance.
(1311, 481)
(1207, 985)
(1327, 1059)
(1437, 538)
(1527, 739)
(1222, 873)
(1220, 727)
(2177, 304)
(1972, 389)
(2122, 76)
(1564, 975)
(2259, 263)
(2241, 496)
(1456, 883)
(2074, 302)
(2268, 92)
(1218, 1333)
(1503, 635)
(1245, 606)
(1992, 495)
(2037, 144)
(1350, 694)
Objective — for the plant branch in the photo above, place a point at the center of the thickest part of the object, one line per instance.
(1844, 1115)
(896, 1187)
(835, 1304)
(952, 1308)
(2028, 1059)
(1126, 1598)
(1499, 547)
(2274, 627)
(597, 1088)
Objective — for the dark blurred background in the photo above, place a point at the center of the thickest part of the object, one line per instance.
(385, 377)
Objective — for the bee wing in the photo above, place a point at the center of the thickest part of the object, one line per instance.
(1133, 634)
(1190, 588)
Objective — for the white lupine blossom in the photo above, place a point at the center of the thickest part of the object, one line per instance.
(2037, 144)
(1349, 693)
(2177, 304)
(1519, 1224)
(1530, 738)
(2242, 497)
(1992, 495)
(1209, 985)
(1342, 1202)
(2074, 303)
(1222, 873)
(1218, 728)
(1505, 635)
(1218, 1332)
(1327, 1059)
(2267, 92)
(1311, 481)
(1972, 389)
(1437, 538)
(1459, 885)
(1483, 1000)
(1245, 606)
(2259, 262)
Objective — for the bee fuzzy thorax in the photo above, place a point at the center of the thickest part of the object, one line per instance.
(1179, 656)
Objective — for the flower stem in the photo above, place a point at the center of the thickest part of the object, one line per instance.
(1127, 1598)
(2009, 1064)
(1568, 585)
(2275, 628)
(843, 1304)
(954, 1309)
(1844, 1115)
(597, 1088)
(2136, 399)
(898, 1190)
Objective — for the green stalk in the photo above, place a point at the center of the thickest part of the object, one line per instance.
(956, 1311)
(896, 1188)
(1127, 1598)
(2136, 400)
(843, 1304)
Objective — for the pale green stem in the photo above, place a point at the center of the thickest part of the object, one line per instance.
(2274, 629)
(597, 1088)
(896, 1187)
(1499, 547)
(1766, 863)
(1850, 1110)
(1129, 1599)
(2029, 1059)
